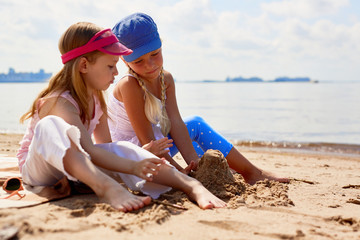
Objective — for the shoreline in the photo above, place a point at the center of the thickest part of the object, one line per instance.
(9, 144)
(338, 149)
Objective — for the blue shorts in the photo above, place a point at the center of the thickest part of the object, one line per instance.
(203, 137)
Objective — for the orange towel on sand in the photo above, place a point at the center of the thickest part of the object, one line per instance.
(33, 195)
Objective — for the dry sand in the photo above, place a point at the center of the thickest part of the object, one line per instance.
(323, 203)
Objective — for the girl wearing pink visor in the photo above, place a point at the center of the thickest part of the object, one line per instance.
(71, 111)
(143, 107)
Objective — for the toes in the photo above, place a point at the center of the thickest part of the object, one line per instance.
(128, 206)
(146, 200)
(285, 180)
(137, 203)
(121, 209)
(207, 205)
(220, 204)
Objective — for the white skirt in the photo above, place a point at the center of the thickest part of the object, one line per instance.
(44, 162)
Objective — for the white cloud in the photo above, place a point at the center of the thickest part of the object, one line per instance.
(267, 47)
(200, 42)
(304, 8)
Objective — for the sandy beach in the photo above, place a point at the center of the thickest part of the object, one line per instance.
(321, 202)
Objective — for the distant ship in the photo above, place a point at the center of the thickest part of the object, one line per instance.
(23, 77)
(279, 79)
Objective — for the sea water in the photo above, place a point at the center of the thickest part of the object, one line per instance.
(321, 116)
(292, 113)
(299, 112)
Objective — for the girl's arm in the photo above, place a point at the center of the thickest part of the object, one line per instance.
(63, 108)
(132, 95)
(101, 132)
(178, 130)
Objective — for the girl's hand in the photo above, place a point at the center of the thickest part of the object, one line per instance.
(147, 168)
(196, 163)
(159, 147)
(192, 166)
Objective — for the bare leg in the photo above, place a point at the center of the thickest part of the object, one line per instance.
(250, 172)
(169, 176)
(106, 188)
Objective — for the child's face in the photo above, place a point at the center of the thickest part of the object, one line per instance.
(149, 65)
(100, 74)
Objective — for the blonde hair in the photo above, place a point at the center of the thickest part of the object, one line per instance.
(155, 111)
(69, 77)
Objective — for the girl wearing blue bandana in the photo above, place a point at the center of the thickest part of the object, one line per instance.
(144, 111)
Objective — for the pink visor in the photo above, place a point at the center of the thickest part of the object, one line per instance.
(104, 41)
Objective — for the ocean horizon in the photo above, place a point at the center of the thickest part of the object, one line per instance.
(321, 115)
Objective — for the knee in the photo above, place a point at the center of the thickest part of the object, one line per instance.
(124, 145)
(73, 152)
(194, 120)
(129, 150)
(51, 118)
(48, 123)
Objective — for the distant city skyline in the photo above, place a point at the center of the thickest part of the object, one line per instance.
(202, 39)
(12, 76)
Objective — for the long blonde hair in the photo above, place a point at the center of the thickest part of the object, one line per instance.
(155, 111)
(69, 77)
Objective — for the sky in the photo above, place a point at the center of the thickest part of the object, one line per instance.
(202, 39)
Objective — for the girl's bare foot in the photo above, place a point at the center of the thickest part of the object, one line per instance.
(250, 172)
(121, 199)
(105, 187)
(262, 175)
(204, 198)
